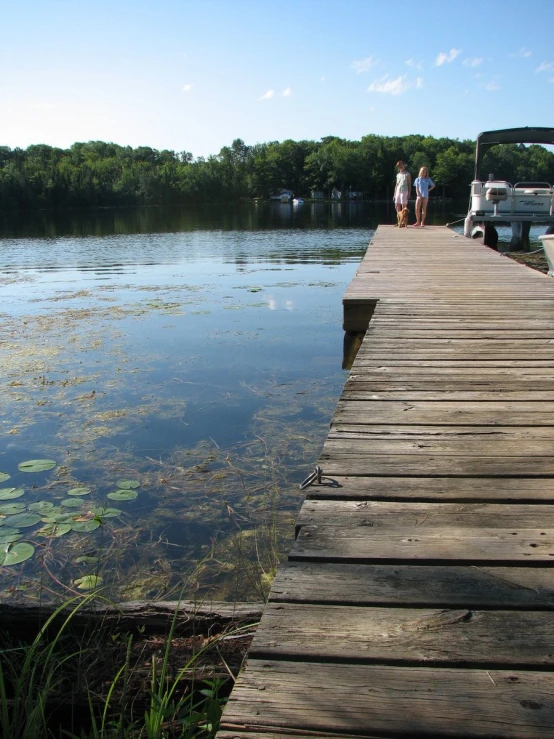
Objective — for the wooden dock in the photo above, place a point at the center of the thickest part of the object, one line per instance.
(418, 598)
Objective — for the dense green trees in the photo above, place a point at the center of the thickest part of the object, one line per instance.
(97, 173)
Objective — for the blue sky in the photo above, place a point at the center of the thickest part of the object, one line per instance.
(194, 76)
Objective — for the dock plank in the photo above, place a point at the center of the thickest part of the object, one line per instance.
(392, 701)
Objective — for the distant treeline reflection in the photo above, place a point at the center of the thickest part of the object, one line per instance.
(100, 174)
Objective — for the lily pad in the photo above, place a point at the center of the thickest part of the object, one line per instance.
(54, 530)
(58, 517)
(123, 495)
(13, 554)
(106, 512)
(36, 465)
(4, 476)
(72, 503)
(23, 520)
(128, 484)
(8, 534)
(42, 506)
(79, 491)
(85, 559)
(85, 527)
(10, 508)
(88, 582)
(10, 493)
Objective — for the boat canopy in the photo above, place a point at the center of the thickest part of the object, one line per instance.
(525, 135)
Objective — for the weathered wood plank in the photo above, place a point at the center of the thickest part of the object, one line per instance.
(392, 701)
(418, 517)
(476, 546)
(524, 588)
(462, 637)
(460, 489)
(442, 413)
(425, 464)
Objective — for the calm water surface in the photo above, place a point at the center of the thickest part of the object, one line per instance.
(180, 367)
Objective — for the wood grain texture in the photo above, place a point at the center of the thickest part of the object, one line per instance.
(460, 489)
(471, 546)
(409, 585)
(392, 701)
(384, 515)
(412, 636)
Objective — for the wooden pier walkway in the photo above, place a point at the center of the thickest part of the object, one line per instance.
(418, 598)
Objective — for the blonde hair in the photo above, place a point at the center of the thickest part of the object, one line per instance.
(424, 172)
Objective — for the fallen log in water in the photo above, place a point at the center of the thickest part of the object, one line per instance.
(191, 617)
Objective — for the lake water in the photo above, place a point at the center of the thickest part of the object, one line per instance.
(180, 369)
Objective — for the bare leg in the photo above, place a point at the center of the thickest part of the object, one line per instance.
(423, 206)
(418, 212)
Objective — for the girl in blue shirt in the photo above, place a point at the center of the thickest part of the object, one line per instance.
(423, 185)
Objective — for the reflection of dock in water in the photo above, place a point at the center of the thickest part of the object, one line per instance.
(417, 599)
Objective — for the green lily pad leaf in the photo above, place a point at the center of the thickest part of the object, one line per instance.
(106, 512)
(36, 465)
(87, 560)
(10, 508)
(9, 534)
(23, 520)
(123, 495)
(10, 493)
(4, 476)
(54, 530)
(128, 484)
(58, 517)
(9, 538)
(42, 506)
(13, 554)
(88, 582)
(85, 527)
(79, 491)
(72, 503)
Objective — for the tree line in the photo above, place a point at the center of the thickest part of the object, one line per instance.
(100, 174)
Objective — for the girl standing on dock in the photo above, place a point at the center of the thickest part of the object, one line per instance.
(423, 185)
(402, 188)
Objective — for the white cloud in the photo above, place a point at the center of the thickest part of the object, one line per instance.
(43, 106)
(413, 63)
(492, 86)
(364, 65)
(419, 82)
(267, 95)
(523, 52)
(544, 66)
(442, 57)
(188, 87)
(286, 92)
(390, 87)
(322, 79)
(474, 61)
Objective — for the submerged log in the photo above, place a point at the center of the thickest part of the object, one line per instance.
(191, 617)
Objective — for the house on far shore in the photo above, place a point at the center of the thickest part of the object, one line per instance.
(336, 194)
(354, 195)
(317, 195)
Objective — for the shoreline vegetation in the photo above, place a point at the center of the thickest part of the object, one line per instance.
(102, 174)
(92, 670)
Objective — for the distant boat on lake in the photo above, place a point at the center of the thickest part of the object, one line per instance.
(282, 196)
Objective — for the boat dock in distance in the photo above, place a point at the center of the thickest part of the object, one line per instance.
(418, 597)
